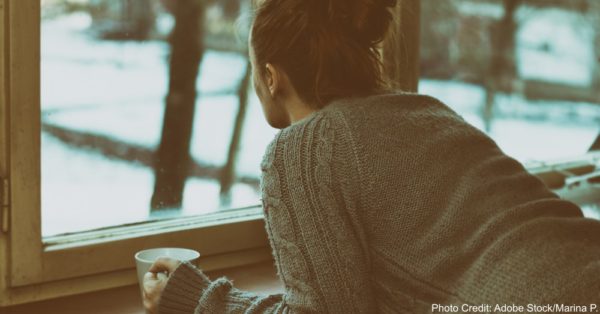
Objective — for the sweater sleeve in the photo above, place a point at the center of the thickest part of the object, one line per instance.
(312, 224)
(189, 291)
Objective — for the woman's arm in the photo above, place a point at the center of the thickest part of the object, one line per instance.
(188, 290)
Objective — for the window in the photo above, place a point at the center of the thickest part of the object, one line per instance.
(46, 140)
(78, 109)
(114, 129)
(52, 130)
(526, 72)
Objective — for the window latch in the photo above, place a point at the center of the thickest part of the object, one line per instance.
(4, 204)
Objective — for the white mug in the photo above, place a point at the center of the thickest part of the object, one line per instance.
(144, 259)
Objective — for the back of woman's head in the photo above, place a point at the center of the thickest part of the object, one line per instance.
(327, 48)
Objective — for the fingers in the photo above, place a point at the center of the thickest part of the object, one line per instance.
(149, 306)
(155, 280)
(164, 264)
(154, 284)
(149, 276)
(161, 276)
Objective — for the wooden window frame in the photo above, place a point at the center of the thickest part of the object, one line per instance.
(32, 269)
(35, 269)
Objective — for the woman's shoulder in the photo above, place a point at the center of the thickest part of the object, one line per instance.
(395, 112)
(390, 104)
(289, 140)
(395, 102)
(389, 114)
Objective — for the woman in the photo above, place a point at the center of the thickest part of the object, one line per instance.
(384, 202)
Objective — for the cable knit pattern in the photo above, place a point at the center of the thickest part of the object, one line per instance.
(392, 203)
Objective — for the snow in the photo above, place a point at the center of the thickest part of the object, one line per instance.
(493, 10)
(83, 190)
(555, 45)
(117, 89)
(591, 211)
(549, 137)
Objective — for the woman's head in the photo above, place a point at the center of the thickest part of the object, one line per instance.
(324, 49)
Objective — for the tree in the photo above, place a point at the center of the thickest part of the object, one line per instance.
(594, 16)
(227, 174)
(502, 68)
(123, 19)
(173, 159)
(439, 22)
(140, 16)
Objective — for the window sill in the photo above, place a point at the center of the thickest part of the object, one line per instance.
(259, 277)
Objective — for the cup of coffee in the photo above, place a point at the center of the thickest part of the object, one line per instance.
(144, 259)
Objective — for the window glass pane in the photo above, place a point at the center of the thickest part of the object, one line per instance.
(525, 72)
(107, 66)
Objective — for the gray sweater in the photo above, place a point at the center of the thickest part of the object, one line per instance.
(392, 203)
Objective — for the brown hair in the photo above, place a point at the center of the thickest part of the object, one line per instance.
(328, 48)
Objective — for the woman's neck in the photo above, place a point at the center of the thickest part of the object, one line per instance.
(298, 110)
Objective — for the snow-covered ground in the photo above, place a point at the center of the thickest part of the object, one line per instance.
(526, 131)
(117, 89)
(555, 45)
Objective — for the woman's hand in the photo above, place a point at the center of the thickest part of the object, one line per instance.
(155, 281)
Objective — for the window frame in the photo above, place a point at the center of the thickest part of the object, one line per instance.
(40, 268)
(95, 260)
(89, 261)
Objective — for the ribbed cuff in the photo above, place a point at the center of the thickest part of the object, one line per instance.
(183, 290)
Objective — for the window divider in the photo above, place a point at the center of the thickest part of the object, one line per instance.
(25, 249)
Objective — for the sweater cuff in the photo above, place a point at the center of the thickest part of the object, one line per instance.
(183, 290)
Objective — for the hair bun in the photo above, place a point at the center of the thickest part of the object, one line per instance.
(369, 20)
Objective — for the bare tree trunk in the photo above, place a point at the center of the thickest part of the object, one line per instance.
(596, 145)
(594, 16)
(139, 15)
(228, 172)
(173, 158)
(231, 8)
(401, 48)
(502, 69)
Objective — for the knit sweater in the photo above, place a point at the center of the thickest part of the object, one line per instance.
(392, 203)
